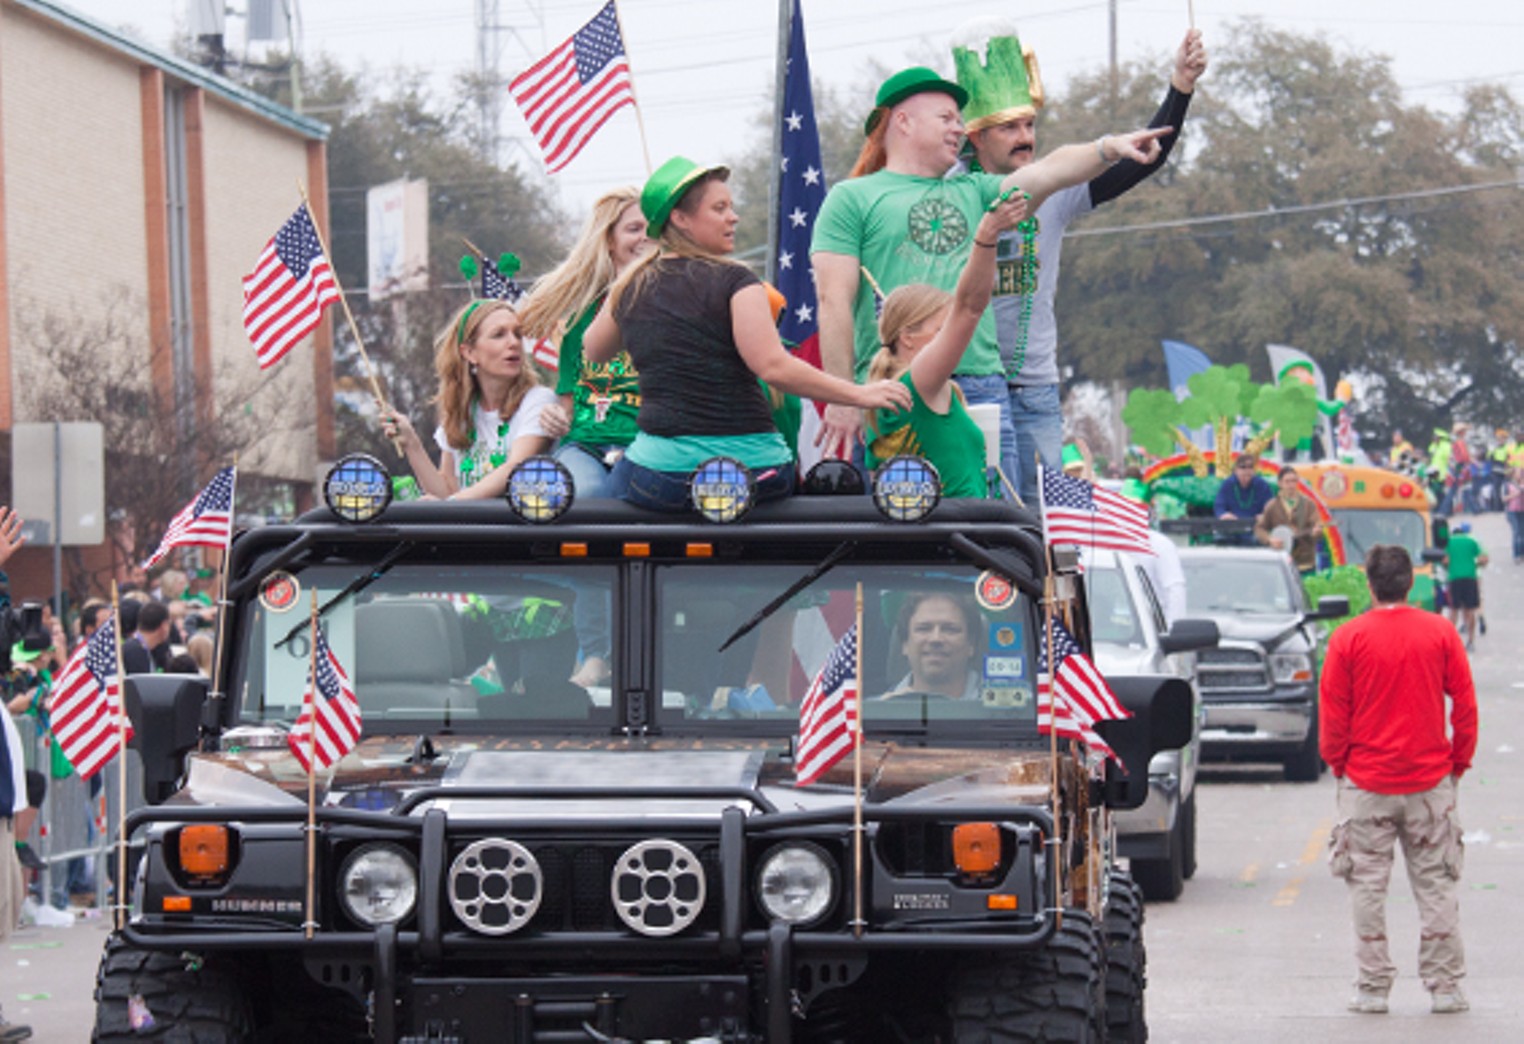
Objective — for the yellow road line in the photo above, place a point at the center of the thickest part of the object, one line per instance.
(1250, 872)
(1315, 845)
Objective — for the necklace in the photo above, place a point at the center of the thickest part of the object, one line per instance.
(1026, 286)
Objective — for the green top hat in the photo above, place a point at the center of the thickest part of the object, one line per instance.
(1000, 74)
(909, 82)
(664, 188)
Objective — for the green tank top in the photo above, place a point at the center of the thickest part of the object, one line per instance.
(951, 441)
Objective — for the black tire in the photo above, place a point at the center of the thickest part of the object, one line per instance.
(1306, 765)
(1163, 879)
(206, 1005)
(1126, 963)
(1055, 993)
(1188, 849)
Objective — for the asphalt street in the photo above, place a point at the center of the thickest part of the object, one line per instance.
(1259, 948)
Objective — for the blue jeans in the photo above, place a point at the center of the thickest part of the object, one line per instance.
(668, 490)
(991, 388)
(1039, 425)
(588, 473)
(1516, 523)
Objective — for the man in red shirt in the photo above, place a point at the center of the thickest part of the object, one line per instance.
(1382, 731)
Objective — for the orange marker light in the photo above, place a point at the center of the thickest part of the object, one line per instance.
(637, 550)
(177, 904)
(700, 550)
(204, 849)
(976, 847)
(569, 550)
(1000, 902)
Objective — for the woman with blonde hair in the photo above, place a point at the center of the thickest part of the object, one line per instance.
(698, 328)
(489, 405)
(597, 402)
(923, 332)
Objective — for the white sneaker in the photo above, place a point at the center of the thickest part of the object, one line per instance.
(1368, 1002)
(1449, 1002)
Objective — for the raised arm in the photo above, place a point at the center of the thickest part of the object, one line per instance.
(1076, 164)
(1190, 63)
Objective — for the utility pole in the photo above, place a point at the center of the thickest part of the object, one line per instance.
(489, 77)
(1111, 10)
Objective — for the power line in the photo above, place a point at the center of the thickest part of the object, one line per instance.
(1304, 208)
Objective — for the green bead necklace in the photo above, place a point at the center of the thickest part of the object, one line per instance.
(1026, 286)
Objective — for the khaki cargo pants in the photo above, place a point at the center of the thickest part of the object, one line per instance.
(1361, 853)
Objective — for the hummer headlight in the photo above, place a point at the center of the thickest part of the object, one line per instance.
(379, 884)
(796, 883)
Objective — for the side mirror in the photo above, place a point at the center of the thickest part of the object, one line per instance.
(166, 721)
(1439, 529)
(1433, 555)
(1163, 710)
(1330, 607)
(1189, 635)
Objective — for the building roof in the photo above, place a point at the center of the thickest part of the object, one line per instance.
(179, 68)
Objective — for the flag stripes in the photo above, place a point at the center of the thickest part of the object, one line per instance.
(87, 703)
(571, 92)
(284, 297)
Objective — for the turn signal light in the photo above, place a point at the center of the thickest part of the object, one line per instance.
(204, 850)
(1000, 902)
(177, 904)
(976, 847)
(572, 550)
(700, 550)
(633, 550)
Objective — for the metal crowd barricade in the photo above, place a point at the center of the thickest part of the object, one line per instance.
(72, 823)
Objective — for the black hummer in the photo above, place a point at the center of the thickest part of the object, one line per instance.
(507, 855)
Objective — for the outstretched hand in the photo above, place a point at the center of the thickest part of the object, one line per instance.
(841, 429)
(1190, 62)
(10, 533)
(884, 395)
(1140, 146)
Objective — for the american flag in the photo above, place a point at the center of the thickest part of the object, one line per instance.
(337, 713)
(1083, 697)
(284, 297)
(1077, 512)
(500, 287)
(828, 715)
(571, 92)
(802, 188)
(87, 703)
(206, 521)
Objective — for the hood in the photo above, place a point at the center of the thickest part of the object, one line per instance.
(1258, 627)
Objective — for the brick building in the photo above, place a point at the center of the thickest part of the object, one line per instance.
(136, 184)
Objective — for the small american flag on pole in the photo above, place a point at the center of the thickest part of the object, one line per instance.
(1073, 698)
(206, 521)
(499, 287)
(87, 703)
(1077, 512)
(571, 92)
(828, 714)
(335, 708)
(284, 297)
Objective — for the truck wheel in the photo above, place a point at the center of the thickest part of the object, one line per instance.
(1162, 880)
(1188, 833)
(1056, 993)
(205, 1005)
(1306, 765)
(1126, 963)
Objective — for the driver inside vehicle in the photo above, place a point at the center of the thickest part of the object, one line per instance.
(938, 633)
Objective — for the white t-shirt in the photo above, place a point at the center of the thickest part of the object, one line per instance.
(12, 740)
(494, 438)
(1166, 574)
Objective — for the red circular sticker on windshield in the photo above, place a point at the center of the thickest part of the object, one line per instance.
(279, 592)
(994, 592)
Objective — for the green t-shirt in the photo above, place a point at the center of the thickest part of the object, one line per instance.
(605, 396)
(1463, 550)
(951, 441)
(786, 417)
(907, 229)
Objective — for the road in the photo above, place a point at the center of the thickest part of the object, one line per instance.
(1259, 948)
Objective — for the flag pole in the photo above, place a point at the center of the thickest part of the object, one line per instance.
(857, 778)
(222, 588)
(311, 709)
(119, 904)
(354, 329)
(1050, 597)
(775, 175)
(640, 120)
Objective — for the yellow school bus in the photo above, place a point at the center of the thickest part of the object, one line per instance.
(1376, 506)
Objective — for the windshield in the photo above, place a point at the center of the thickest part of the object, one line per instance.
(1227, 585)
(931, 650)
(1363, 530)
(431, 646)
(1113, 617)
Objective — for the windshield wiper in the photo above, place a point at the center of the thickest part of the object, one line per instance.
(798, 585)
(355, 586)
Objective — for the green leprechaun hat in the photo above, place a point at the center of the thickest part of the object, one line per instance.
(999, 74)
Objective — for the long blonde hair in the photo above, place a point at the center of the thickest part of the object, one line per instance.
(904, 307)
(672, 243)
(567, 290)
(458, 387)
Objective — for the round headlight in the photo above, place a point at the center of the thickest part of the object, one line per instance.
(796, 883)
(379, 885)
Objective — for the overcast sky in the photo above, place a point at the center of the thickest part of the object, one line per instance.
(703, 69)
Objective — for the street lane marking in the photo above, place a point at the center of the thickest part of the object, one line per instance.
(1315, 845)
(1250, 872)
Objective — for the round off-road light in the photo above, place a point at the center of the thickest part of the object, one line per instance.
(796, 883)
(379, 884)
(721, 489)
(905, 489)
(357, 488)
(540, 489)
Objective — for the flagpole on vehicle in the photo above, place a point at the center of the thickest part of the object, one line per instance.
(775, 175)
(354, 328)
(307, 920)
(640, 120)
(857, 778)
(1050, 597)
(222, 592)
(119, 901)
